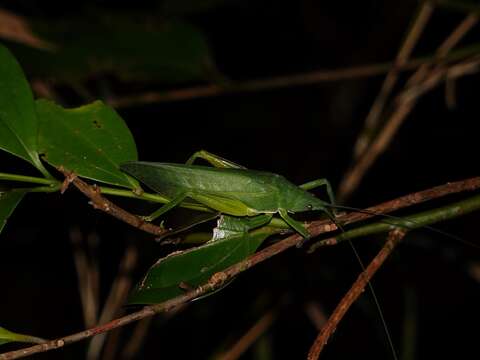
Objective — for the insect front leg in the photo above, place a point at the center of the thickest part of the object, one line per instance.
(214, 160)
(168, 206)
(296, 225)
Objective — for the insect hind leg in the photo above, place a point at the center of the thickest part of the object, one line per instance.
(214, 160)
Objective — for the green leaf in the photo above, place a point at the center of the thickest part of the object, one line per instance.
(91, 140)
(128, 46)
(231, 243)
(18, 122)
(8, 202)
(7, 336)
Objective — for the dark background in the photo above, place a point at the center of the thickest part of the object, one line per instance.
(302, 132)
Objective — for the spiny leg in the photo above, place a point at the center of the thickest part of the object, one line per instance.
(168, 206)
(296, 225)
(214, 160)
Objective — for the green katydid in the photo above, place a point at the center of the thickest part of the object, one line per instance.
(230, 189)
(234, 190)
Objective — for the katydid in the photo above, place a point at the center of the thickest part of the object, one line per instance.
(230, 189)
(234, 190)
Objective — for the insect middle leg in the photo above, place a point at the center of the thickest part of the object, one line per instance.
(296, 225)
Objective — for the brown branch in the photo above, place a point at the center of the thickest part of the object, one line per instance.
(101, 203)
(85, 275)
(316, 314)
(425, 78)
(279, 82)
(448, 44)
(355, 291)
(137, 338)
(117, 296)
(414, 199)
(249, 338)
(217, 280)
(391, 79)
(405, 102)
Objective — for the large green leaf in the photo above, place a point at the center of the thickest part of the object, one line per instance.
(91, 140)
(230, 244)
(18, 122)
(7, 336)
(132, 49)
(8, 202)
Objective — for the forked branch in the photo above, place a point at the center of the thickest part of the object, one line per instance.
(101, 203)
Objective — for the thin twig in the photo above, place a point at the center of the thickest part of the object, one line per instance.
(101, 203)
(136, 340)
(114, 339)
(414, 199)
(405, 102)
(406, 49)
(219, 279)
(316, 314)
(249, 338)
(450, 42)
(279, 82)
(355, 291)
(450, 93)
(84, 274)
(415, 221)
(426, 78)
(117, 296)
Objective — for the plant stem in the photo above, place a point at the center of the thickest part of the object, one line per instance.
(29, 179)
(148, 196)
(54, 185)
(419, 220)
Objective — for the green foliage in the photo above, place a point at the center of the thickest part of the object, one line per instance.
(132, 49)
(8, 202)
(91, 140)
(231, 242)
(18, 121)
(7, 336)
